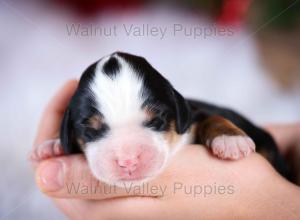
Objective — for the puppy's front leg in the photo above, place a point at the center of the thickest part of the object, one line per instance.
(48, 149)
(226, 140)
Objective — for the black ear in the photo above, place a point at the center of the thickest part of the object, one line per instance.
(67, 135)
(182, 111)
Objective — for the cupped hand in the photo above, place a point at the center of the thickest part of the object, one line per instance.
(195, 185)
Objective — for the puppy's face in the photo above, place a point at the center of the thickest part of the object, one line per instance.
(126, 118)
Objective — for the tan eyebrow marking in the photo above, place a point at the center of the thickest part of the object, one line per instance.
(95, 122)
(150, 114)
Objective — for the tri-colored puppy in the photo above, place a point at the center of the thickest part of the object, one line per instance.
(128, 120)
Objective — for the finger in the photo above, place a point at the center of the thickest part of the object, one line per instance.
(73, 208)
(52, 116)
(70, 177)
(120, 208)
(133, 208)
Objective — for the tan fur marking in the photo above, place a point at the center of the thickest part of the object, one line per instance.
(81, 143)
(150, 114)
(95, 122)
(171, 136)
(216, 126)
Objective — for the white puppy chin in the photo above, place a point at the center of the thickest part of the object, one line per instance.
(115, 181)
(102, 156)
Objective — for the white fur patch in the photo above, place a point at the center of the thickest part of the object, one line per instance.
(119, 99)
(232, 147)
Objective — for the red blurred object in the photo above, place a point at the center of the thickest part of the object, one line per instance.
(234, 12)
(92, 7)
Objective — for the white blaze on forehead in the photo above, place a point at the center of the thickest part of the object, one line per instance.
(119, 98)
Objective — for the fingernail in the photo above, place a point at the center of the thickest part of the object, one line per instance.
(51, 176)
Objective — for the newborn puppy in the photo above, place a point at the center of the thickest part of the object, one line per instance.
(128, 120)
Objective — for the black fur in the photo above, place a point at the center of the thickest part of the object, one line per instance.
(111, 67)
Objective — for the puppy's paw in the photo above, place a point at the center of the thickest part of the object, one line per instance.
(48, 149)
(232, 147)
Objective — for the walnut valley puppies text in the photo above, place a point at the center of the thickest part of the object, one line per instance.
(194, 190)
(147, 30)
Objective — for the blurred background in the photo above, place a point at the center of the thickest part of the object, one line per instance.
(244, 54)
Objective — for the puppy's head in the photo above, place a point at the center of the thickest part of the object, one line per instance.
(126, 118)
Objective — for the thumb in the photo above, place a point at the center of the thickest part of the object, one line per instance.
(70, 177)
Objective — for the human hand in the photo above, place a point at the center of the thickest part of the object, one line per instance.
(194, 185)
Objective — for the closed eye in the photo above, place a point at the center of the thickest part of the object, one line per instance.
(157, 124)
(91, 134)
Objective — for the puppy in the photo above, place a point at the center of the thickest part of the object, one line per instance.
(128, 120)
